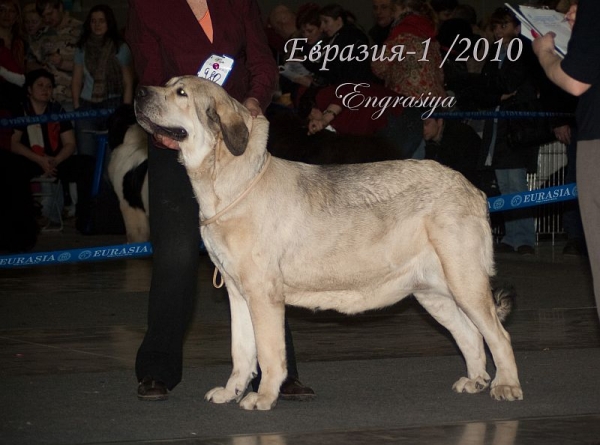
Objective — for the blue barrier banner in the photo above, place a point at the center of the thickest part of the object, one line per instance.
(45, 118)
(89, 114)
(496, 114)
(533, 198)
(138, 250)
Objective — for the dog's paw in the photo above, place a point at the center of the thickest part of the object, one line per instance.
(507, 392)
(220, 395)
(471, 386)
(257, 401)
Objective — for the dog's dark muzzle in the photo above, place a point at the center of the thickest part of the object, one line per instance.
(146, 112)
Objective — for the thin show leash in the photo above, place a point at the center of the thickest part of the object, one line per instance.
(257, 178)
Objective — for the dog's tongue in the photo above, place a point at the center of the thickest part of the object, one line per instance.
(165, 142)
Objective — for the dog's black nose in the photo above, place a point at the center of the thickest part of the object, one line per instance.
(142, 92)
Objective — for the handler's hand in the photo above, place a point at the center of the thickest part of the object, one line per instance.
(253, 106)
(544, 44)
(315, 125)
(563, 134)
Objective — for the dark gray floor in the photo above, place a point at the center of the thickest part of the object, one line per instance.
(68, 336)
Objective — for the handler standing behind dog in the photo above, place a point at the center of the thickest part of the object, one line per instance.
(182, 45)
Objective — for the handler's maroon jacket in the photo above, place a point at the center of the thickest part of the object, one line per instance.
(167, 41)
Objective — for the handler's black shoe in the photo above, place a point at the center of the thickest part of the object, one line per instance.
(151, 390)
(293, 389)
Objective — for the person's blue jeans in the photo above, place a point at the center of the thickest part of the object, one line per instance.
(519, 225)
(85, 128)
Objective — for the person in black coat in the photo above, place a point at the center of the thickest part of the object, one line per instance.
(453, 144)
(342, 33)
(509, 82)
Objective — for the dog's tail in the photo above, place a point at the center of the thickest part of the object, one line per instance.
(504, 300)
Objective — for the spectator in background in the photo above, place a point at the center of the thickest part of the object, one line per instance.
(468, 13)
(459, 81)
(12, 50)
(383, 13)
(454, 144)
(281, 26)
(48, 149)
(465, 12)
(55, 50)
(304, 75)
(443, 9)
(413, 23)
(510, 85)
(341, 32)
(32, 23)
(398, 127)
(308, 22)
(102, 75)
(12, 57)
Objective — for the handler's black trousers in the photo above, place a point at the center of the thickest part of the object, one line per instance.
(175, 237)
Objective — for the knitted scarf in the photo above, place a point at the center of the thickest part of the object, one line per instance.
(101, 62)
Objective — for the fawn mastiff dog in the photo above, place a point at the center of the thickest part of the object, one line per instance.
(343, 237)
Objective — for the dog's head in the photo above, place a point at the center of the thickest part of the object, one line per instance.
(192, 115)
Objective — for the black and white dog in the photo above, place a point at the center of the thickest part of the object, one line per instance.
(127, 170)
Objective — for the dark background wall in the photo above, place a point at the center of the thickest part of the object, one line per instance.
(361, 8)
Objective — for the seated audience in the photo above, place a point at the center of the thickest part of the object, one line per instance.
(398, 126)
(296, 77)
(443, 9)
(383, 13)
(454, 144)
(55, 49)
(414, 23)
(33, 24)
(281, 26)
(48, 149)
(341, 32)
(12, 57)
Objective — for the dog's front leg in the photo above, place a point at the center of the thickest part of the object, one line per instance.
(243, 351)
(268, 320)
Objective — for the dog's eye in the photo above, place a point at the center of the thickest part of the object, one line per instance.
(181, 92)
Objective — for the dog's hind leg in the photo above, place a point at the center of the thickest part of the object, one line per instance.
(243, 351)
(468, 277)
(470, 342)
(268, 320)
(505, 385)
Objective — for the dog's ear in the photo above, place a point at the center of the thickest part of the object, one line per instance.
(232, 125)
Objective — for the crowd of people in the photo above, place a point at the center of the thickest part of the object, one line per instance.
(51, 63)
(434, 37)
(92, 68)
